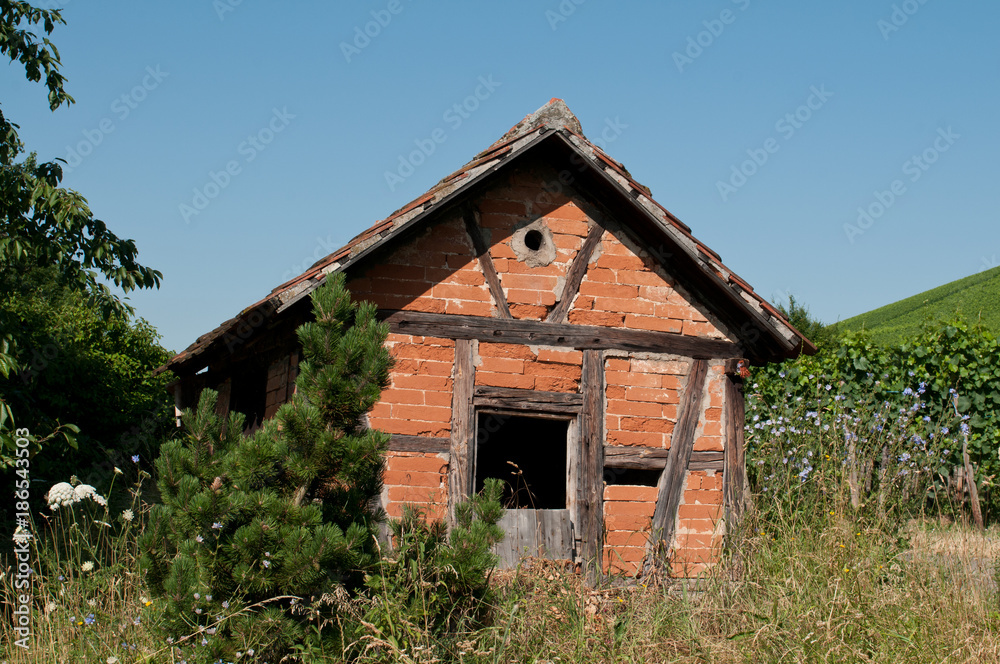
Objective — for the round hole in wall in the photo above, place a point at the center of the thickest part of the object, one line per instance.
(533, 240)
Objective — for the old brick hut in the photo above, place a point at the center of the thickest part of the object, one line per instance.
(553, 326)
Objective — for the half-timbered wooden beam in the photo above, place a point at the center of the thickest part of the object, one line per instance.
(591, 485)
(425, 444)
(471, 219)
(507, 398)
(463, 426)
(575, 274)
(656, 459)
(584, 337)
(670, 488)
(734, 475)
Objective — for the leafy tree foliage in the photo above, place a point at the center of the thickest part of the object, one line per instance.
(41, 223)
(79, 364)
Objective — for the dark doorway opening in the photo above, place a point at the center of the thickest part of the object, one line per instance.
(528, 454)
(249, 396)
(632, 476)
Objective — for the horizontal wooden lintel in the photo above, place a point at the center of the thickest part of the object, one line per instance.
(528, 400)
(654, 459)
(482, 328)
(425, 444)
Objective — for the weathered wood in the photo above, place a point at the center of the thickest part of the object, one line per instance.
(734, 473)
(528, 400)
(970, 475)
(463, 426)
(536, 533)
(612, 452)
(670, 488)
(538, 396)
(574, 276)
(555, 413)
(573, 464)
(471, 219)
(425, 444)
(656, 459)
(584, 337)
(590, 505)
(225, 392)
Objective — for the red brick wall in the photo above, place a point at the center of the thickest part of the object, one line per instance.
(435, 272)
(625, 287)
(642, 396)
(528, 367)
(708, 435)
(699, 524)
(531, 291)
(628, 515)
(412, 477)
(418, 399)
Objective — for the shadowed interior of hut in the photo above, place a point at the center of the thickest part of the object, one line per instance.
(528, 454)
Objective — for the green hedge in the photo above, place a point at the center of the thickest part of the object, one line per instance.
(931, 391)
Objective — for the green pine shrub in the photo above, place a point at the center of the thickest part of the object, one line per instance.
(258, 537)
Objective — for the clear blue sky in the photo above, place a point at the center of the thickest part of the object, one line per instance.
(228, 70)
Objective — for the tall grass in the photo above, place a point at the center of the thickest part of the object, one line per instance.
(88, 598)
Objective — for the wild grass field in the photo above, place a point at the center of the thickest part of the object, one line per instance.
(803, 588)
(826, 567)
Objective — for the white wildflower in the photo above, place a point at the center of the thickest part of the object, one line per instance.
(128, 515)
(86, 491)
(60, 495)
(50, 607)
(87, 566)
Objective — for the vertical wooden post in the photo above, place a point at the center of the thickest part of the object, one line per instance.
(670, 488)
(591, 484)
(463, 426)
(225, 394)
(734, 468)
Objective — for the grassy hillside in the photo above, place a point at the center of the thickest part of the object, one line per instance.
(975, 298)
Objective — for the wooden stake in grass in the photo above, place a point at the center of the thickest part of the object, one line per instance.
(977, 513)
